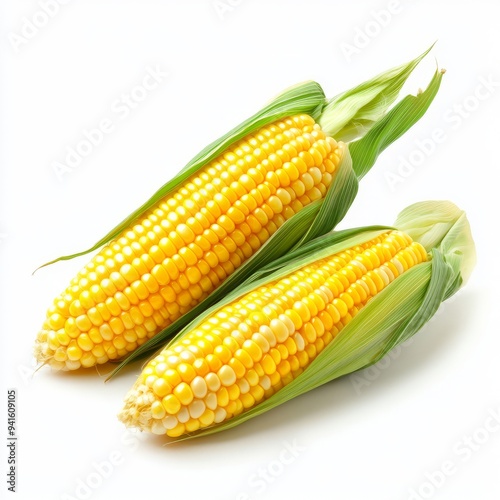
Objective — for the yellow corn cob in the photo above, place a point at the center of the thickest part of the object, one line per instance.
(251, 348)
(182, 249)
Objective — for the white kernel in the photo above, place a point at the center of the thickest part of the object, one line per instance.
(365, 286)
(187, 356)
(359, 264)
(265, 382)
(288, 323)
(299, 340)
(196, 408)
(70, 365)
(220, 415)
(389, 273)
(173, 361)
(170, 422)
(327, 292)
(199, 387)
(211, 400)
(183, 415)
(398, 265)
(383, 275)
(279, 329)
(158, 428)
(238, 336)
(243, 385)
(227, 376)
(213, 381)
(261, 341)
(160, 369)
(268, 334)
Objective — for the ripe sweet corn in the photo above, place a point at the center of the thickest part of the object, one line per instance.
(170, 259)
(179, 251)
(253, 347)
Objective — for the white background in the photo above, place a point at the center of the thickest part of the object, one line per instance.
(379, 435)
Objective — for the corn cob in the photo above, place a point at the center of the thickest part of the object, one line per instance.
(320, 314)
(253, 347)
(180, 250)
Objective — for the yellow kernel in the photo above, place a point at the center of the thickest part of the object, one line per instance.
(253, 350)
(84, 342)
(233, 392)
(186, 372)
(244, 357)
(207, 418)
(268, 364)
(201, 366)
(60, 355)
(177, 431)
(171, 404)
(275, 204)
(63, 338)
(258, 391)
(295, 317)
(222, 397)
(70, 328)
(172, 377)
(302, 310)
(83, 323)
(56, 321)
(184, 393)
(284, 368)
(116, 325)
(87, 360)
(223, 353)
(252, 377)
(74, 352)
(247, 400)
(214, 362)
(238, 367)
(291, 346)
(267, 335)
(161, 387)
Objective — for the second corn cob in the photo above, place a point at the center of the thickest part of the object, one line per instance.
(252, 348)
(288, 335)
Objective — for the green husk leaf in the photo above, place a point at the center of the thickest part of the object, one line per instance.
(393, 125)
(351, 114)
(442, 225)
(435, 294)
(389, 318)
